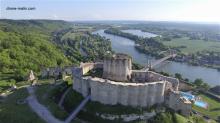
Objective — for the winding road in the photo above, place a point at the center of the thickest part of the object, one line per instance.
(41, 110)
(45, 114)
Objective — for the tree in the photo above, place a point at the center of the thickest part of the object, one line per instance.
(206, 86)
(178, 76)
(187, 80)
(198, 82)
(164, 73)
(59, 62)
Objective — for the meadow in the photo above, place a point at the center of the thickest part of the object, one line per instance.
(193, 46)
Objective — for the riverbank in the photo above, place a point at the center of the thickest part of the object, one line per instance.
(153, 46)
(145, 45)
(124, 45)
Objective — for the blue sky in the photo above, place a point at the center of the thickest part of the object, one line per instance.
(153, 10)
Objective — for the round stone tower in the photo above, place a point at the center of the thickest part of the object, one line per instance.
(118, 67)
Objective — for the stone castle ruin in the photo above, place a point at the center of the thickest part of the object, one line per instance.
(120, 84)
(118, 68)
(56, 71)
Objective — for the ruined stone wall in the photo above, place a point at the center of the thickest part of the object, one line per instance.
(128, 94)
(150, 76)
(139, 76)
(146, 89)
(86, 67)
(55, 71)
(117, 69)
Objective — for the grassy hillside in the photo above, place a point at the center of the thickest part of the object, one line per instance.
(35, 44)
(26, 45)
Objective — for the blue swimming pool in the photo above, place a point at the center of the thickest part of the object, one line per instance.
(201, 104)
(187, 95)
(198, 103)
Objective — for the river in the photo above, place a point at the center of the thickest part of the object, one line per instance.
(140, 33)
(124, 45)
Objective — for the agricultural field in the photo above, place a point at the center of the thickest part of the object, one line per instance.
(193, 46)
(72, 35)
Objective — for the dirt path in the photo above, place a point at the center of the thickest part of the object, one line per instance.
(63, 97)
(41, 110)
(77, 110)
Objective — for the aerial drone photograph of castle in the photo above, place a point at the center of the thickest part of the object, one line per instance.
(109, 61)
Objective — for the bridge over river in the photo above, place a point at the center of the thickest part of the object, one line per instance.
(124, 45)
(151, 65)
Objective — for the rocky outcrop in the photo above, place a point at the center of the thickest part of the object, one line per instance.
(128, 117)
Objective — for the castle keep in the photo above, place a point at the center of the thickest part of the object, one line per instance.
(117, 68)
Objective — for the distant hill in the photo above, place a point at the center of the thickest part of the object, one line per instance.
(43, 26)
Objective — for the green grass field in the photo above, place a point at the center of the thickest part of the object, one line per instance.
(11, 112)
(213, 110)
(74, 35)
(193, 46)
(45, 94)
(71, 35)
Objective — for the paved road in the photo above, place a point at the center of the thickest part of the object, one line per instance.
(41, 110)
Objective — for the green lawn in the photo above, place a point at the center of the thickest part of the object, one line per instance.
(46, 95)
(213, 110)
(11, 112)
(193, 46)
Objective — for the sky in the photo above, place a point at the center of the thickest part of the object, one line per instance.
(149, 10)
